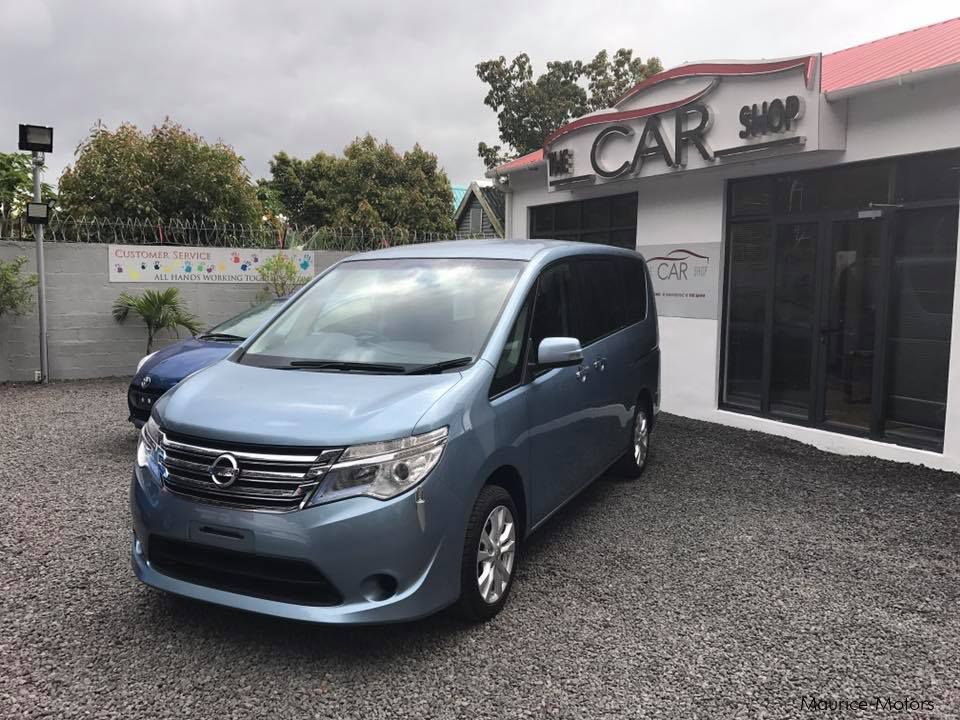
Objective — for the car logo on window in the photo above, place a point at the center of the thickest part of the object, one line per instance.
(224, 470)
(146, 381)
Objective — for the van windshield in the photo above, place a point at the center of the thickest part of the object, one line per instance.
(389, 316)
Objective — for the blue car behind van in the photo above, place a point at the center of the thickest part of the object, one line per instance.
(161, 370)
(382, 448)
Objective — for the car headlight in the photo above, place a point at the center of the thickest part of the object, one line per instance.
(382, 470)
(143, 360)
(148, 443)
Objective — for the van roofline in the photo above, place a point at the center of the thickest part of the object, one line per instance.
(490, 249)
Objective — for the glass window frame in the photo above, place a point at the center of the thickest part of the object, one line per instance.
(538, 213)
(892, 213)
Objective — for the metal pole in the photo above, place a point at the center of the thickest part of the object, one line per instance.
(42, 284)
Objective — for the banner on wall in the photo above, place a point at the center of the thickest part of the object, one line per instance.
(175, 264)
(686, 278)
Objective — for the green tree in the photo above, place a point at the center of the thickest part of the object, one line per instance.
(159, 309)
(169, 172)
(16, 294)
(529, 109)
(16, 187)
(370, 186)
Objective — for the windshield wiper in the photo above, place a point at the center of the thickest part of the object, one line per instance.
(441, 366)
(344, 366)
(220, 336)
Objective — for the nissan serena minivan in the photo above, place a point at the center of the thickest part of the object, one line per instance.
(383, 446)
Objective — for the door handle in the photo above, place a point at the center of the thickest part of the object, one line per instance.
(600, 364)
(582, 374)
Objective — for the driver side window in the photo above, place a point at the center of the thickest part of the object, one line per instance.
(509, 372)
(552, 315)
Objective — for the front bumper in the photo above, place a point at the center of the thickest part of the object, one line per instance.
(140, 402)
(411, 540)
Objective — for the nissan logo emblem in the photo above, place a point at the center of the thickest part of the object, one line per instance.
(224, 470)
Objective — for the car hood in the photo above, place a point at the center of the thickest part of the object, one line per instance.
(264, 406)
(174, 362)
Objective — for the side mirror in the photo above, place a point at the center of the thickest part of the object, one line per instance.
(559, 352)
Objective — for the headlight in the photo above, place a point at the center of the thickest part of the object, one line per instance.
(148, 443)
(144, 360)
(383, 469)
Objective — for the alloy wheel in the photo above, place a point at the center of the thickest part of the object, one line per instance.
(496, 554)
(641, 439)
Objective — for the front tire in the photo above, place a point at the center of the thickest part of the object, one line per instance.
(634, 461)
(490, 551)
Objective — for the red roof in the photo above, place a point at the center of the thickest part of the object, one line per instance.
(925, 48)
(521, 162)
(913, 51)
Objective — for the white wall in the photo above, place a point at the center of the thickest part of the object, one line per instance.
(689, 207)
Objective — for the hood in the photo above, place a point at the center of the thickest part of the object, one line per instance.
(263, 406)
(174, 362)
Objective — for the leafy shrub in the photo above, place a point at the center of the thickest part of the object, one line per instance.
(281, 275)
(16, 294)
(159, 310)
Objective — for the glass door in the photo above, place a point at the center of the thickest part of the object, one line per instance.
(851, 325)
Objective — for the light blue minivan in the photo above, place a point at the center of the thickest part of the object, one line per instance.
(383, 446)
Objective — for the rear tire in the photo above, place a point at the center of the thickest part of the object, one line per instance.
(634, 461)
(490, 552)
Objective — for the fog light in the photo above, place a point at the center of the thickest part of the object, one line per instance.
(377, 588)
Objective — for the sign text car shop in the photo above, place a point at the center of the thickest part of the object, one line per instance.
(693, 118)
(807, 179)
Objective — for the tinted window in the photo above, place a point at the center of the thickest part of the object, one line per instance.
(634, 284)
(509, 372)
(607, 220)
(601, 299)
(921, 317)
(746, 311)
(551, 315)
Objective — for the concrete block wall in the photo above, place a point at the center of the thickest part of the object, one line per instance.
(84, 340)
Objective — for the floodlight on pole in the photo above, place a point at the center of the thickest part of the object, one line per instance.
(38, 213)
(38, 139)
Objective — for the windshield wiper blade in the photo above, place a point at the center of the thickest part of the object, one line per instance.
(345, 366)
(220, 336)
(441, 366)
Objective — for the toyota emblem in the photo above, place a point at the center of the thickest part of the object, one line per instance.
(224, 470)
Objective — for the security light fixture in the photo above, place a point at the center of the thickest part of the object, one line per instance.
(36, 138)
(38, 213)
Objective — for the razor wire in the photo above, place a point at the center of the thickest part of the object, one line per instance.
(66, 228)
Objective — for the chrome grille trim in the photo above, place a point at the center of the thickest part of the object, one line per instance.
(270, 482)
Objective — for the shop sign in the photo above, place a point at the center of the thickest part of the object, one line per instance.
(205, 265)
(686, 278)
(776, 116)
(700, 117)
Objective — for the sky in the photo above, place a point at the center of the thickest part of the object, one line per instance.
(308, 76)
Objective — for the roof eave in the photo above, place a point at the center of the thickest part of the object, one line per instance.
(497, 173)
(900, 80)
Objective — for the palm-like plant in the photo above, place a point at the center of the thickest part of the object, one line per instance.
(159, 310)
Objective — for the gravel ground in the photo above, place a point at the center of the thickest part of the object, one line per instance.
(740, 574)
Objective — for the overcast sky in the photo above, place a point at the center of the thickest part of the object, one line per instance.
(311, 75)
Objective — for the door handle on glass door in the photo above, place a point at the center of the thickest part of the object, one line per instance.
(582, 374)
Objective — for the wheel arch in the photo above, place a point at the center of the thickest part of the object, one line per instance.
(645, 400)
(509, 478)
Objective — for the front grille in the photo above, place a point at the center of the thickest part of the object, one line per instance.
(271, 578)
(271, 478)
(141, 401)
